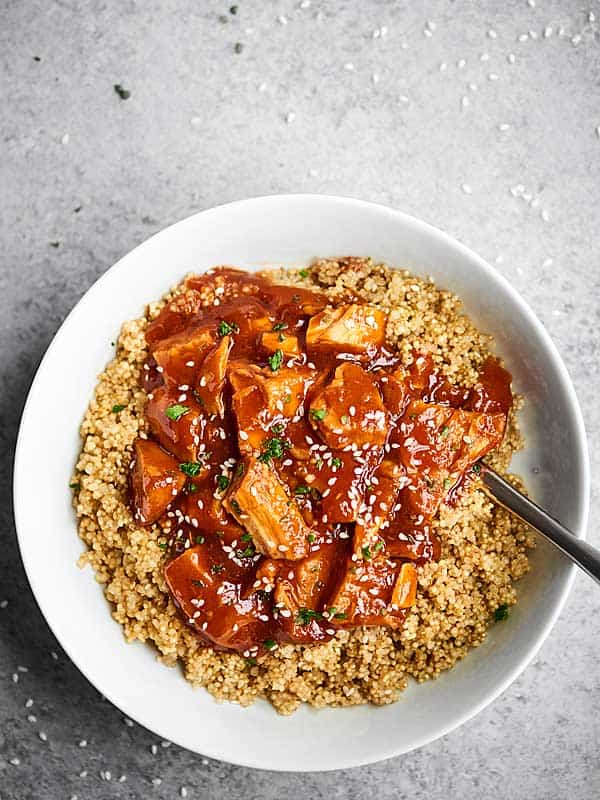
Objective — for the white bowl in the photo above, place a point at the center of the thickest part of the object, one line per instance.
(289, 229)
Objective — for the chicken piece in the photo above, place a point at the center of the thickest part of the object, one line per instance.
(405, 589)
(209, 591)
(212, 377)
(176, 420)
(258, 501)
(174, 317)
(394, 391)
(179, 356)
(300, 590)
(380, 498)
(492, 392)
(440, 444)
(365, 595)
(349, 410)
(155, 481)
(263, 397)
(350, 329)
(272, 342)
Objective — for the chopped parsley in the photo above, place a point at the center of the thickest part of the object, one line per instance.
(277, 428)
(236, 507)
(191, 487)
(269, 644)
(501, 613)
(368, 553)
(447, 483)
(226, 328)
(305, 615)
(276, 360)
(318, 413)
(311, 538)
(345, 419)
(190, 468)
(445, 431)
(117, 407)
(476, 468)
(163, 545)
(273, 448)
(337, 462)
(216, 568)
(245, 537)
(199, 584)
(238, 47)
(239, 470)
(280, 326)
(340, 615)
(287, 398)
(223, 482)
(75, 485)
(302, 489)
(250, 662)
(124, 94)
(303, 273)
(200, 540)
(175, 412)
(249, 552)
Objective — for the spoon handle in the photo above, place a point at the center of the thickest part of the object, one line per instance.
(582, 553)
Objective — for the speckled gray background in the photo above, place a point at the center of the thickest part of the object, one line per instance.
(481, 117)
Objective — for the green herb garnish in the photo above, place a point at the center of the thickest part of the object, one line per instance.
(280, 326)
(191, 487)
(340, 615)
(236, 507)
(378, 547)
(176, 411)
(303, 273)
(163, 545)
(269, 644)
(305, 615)
(226, 328)
(501, 613)
(366, 552)
(245, 537)
(190, 468)
(337, 462)
(273, 448)
(345, 419)
(239, 470)
(199, 584)
(302, 489)
(117, 407)
(311, 538)
(249, 552)
(223, 482)
(445, 431)
(476, 468)
(447, 483)
(318, 413)
(250, 662)
(200, 540)
(216, 568)
(276, 360)
(277, 428)
(76, 485)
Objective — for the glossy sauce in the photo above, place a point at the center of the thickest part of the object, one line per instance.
(263, 390)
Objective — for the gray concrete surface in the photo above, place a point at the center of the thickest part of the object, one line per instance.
(500, 147)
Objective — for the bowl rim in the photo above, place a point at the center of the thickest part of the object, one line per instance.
(580, 448)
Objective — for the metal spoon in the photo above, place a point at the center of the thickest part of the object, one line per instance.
(582, 553)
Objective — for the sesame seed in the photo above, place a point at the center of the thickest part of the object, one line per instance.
(492, 34)
(467, 189)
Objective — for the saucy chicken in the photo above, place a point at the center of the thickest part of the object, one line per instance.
(294, 462)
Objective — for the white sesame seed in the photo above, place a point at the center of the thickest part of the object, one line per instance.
(290, 117)
(511, 58)
(3, 603)
(503, 126)
(29, 702)
(467, 189)
(548, 31)
(492, 34)
(15, 762)
(493, 77)
(484, 57)
(465, 102)
(523, 37)
(83, 743)
(43, 736)
(31, 718)
(243, 435)
(461, 63)
(349, 66)
(544, 215)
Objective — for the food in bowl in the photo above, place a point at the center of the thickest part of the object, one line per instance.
(278, 482)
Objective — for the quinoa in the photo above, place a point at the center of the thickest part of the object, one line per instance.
(484, 548)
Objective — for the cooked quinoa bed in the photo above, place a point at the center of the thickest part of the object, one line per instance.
(484, 549)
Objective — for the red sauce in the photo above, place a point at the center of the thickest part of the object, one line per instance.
(295, 463)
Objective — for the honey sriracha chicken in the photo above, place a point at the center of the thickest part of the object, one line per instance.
(295, 462)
